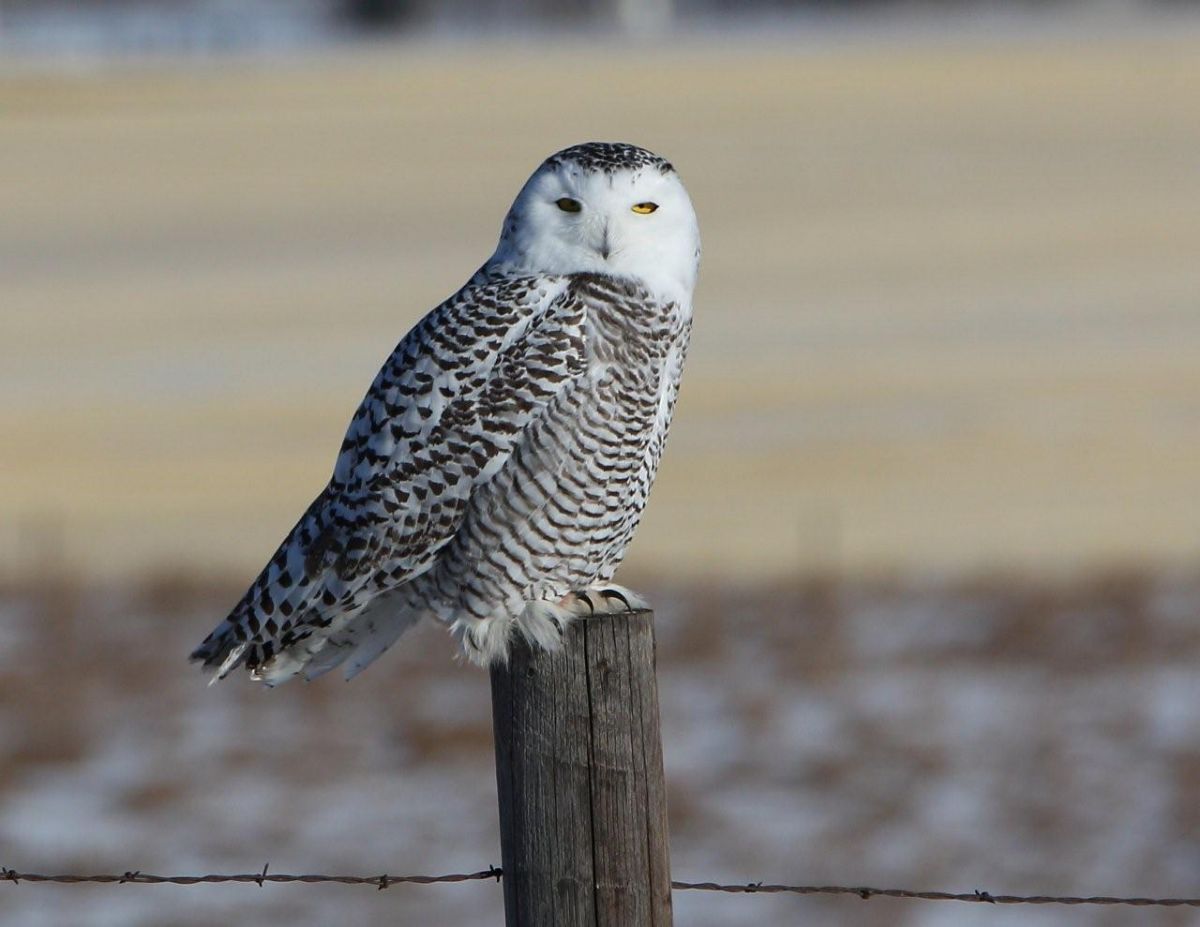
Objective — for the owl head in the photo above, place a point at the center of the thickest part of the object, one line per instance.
(605, 208)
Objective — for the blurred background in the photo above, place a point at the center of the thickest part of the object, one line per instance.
(925, 547)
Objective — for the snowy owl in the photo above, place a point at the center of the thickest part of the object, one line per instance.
(499, 463)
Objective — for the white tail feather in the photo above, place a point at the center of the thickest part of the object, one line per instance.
(383, 631)
(359, 640)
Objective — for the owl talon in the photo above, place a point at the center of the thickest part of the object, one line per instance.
(614, 594)
(603, 600)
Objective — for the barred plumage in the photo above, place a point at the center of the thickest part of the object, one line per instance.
(498, 466)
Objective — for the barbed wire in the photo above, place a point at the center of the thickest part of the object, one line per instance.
(978, 896)
(137, 877)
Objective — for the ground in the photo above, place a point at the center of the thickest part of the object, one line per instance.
(1010, 737)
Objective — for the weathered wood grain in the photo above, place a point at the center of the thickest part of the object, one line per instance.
(583, 815)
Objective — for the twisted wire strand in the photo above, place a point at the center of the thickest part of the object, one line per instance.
(977, 896)
(137, 877)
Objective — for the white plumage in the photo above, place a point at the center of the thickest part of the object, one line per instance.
(498, 466)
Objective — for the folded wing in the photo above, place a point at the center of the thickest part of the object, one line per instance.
(440, 420)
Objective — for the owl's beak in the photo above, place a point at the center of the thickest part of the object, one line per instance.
(605, 248)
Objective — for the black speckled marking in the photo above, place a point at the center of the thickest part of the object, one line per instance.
(610, 157)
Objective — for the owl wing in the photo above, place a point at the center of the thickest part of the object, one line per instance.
(439, 420)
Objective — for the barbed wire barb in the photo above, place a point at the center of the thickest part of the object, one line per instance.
(381, 882)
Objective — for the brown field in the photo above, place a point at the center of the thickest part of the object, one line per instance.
(1012, 737)
(948, 319)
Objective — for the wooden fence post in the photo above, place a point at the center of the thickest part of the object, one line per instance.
(583, 807)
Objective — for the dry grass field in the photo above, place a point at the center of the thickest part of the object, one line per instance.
(949, 315)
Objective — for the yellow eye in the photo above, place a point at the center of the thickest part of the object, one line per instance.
(566, 204)
(644, 208)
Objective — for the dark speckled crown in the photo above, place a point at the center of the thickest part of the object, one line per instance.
(610, 157)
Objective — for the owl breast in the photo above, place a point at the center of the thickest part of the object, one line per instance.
(560, 513)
